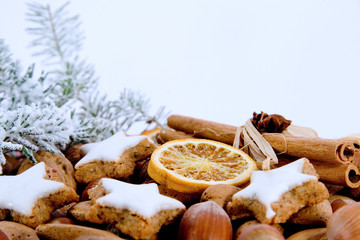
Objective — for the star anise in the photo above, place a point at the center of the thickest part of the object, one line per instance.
(273, 123)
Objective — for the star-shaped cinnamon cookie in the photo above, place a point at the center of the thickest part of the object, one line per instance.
(137, 210)
(274, 195)
(114, 157)
(31, 198)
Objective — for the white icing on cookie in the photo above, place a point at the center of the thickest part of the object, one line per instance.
(20, 193)
(268, 186)
(143, 199)
(110, 149)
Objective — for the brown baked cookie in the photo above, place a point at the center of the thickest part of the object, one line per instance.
(31, 198)
(274, 195)
(137, 210)
(59, 164)
(57, 231)
(114, 157)
(16, 231)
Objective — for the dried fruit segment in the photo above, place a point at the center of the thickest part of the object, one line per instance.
(192, 165)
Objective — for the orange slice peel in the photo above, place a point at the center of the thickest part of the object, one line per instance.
(192, 165)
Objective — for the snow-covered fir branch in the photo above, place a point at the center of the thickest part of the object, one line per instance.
(35, 127)
(29, 119)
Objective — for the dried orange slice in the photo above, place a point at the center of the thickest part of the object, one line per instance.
(192, 165)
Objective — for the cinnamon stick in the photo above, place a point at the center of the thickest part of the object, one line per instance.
(202, 128)
(168, 135)
(339, 174)
(324, 150)
(334, 173)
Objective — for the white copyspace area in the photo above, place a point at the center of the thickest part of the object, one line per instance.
(221, 60)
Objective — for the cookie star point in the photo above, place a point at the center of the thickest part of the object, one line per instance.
(144, 199)
(114, 145)
(23, 190)
(268, 186)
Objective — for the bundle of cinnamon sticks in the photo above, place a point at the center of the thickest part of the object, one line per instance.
(336, 161)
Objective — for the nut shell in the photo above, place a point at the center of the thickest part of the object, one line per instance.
(250, 223)
(260, 232)
(337, 203)
(12, 165)
(344, 223)
(12, 230)
(220, 194)
(3, 236)
(206, 220)
(310, 234)
(348, 200)
(316, 214)
(85, 194)
(74, 232)
(74, 154)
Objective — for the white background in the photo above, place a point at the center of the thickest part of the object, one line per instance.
(221, 60)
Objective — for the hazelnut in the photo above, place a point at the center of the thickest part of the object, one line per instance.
(260, 232)
(344, 223)
(84, 194)
(74, 154)
(337, 203)
(3, 236)
(12, 165)
(310, 234)
(249, 223)
(348, 200)
(206, 220)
